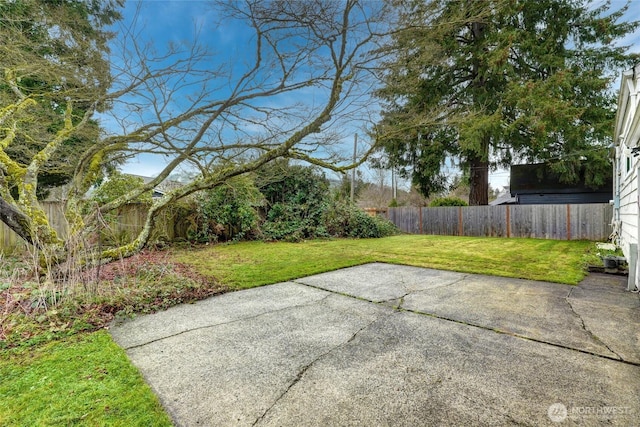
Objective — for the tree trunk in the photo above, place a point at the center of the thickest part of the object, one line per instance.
(478, 181)
(478, 160)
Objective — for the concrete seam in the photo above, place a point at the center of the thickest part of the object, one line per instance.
(497, 331)
(524, 337)
(318, 301)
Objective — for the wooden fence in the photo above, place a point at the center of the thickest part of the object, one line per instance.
(560, 222)
(122, 226)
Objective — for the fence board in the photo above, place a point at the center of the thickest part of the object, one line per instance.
(124, 225)
(591, 221)
(559, 222)
(490, 221)
(408, 218)
(441, 221)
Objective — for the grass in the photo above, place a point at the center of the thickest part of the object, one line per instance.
(82, 380)
(248, 264)
(85, 379)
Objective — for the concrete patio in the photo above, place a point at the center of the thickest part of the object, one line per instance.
(381, 344)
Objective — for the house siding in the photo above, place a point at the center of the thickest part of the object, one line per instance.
(628, 211)
(562, 198)
(626, 138)
(538, 184)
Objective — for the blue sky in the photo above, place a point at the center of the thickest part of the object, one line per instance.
(177, 21)
(164, 22)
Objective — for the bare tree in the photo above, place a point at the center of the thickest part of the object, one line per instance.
(223, 121)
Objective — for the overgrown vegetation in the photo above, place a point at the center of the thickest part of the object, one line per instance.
(35, 312)
(229, 212)
(281, 202)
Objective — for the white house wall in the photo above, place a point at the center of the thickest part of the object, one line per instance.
(627, 134)
(628, 216)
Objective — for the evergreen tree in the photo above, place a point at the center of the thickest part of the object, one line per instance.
(492, 82)
(57, 49)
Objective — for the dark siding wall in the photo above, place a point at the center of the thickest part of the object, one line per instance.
(563, 198)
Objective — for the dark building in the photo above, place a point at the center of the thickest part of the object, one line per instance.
(536, 184)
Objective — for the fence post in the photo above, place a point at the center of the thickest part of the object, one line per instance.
(420, 219)
(508, 220)
(568, 222)
(459, 220)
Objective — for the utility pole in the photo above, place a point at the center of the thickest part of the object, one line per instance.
(353, 171)
(394, 183)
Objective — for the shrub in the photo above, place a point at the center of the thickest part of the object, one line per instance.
(344, 219)
(447, 201)
(227, 212)
(296, 199)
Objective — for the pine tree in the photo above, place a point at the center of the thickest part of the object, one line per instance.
(487, 83)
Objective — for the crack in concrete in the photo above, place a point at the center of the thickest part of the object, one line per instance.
(400, 300)
(412, 291)
(443, 285)
(306, 367)
(384, 302)
(318, 301)
(490, 329)
(446, 285)
(587, 330)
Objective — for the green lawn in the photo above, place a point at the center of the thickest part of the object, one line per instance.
(249, 264)
(87, 380)
(83, 380)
